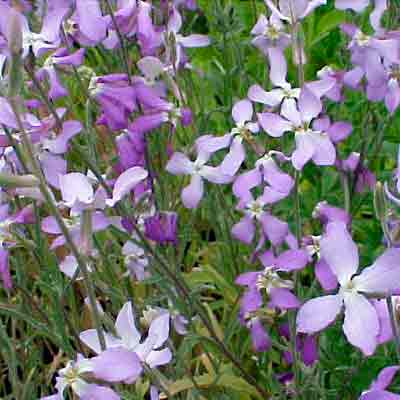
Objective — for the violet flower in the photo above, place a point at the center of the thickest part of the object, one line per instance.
(377, 390)
(175, 53)
(72, 376)
(128, 344)
(162, 227)
(270, 33)
(277, 291)
(179, 164)
(310, 143)
(378, 280)
(136, 260)
(277, 185)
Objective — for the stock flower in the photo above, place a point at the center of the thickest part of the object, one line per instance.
(242, 114)
(377, 390)
(116, 97)
(292, 11)
(179, 164)
(306, 345)
(278, 184)
(255, 214)
(310, 143)
(136, 260)
(162, 227)
(47, 39)
(128, 346)
(73, 376)
(126, 182)
(277, 292)
(270, 33)
(61, 59)
(87, 25)
(379, 280)
(175, 47)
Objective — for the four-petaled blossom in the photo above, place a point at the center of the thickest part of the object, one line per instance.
(310, 143)
(179, 164)
(128, 346)
(380, 280)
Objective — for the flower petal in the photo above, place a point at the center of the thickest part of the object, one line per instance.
(360, 313)
(192, 194)
(126, 182)
(125, 326)
(339, 251)
(316, 314)
(383, 276)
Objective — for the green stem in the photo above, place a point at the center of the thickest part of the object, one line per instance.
(56, 214)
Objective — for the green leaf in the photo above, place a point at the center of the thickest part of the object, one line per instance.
(326, 24)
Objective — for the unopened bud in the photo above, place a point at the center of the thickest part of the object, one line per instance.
(380, 202)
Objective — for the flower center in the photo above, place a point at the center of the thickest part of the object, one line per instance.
(270, 279)
(362, 39)
(255, 208)
(272, 32)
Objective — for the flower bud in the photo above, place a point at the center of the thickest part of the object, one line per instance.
(380, 202)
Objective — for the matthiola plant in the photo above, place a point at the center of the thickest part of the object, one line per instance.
(198, 170)
(379, 280)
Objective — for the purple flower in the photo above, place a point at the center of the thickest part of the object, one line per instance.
(136, 260)
(127, 181)
(128, 345)
(73, 376)
(306, 345)
(377, 389)
(379, 280)
(292, 11)
(272, 228)
(116, 98)
(310, 143)
(270, 33)
(278, 184)
(162, 227)
(276, 290)
(175, 48)
(179, 164)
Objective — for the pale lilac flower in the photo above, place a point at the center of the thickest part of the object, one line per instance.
(242, 114)
(310, 143)
(355, 5)
(379, 280)
(47, 39)
(277, 184)
(255, 214)
(270, 33)
(127, 181)
(61, 59)
(179, 164)
(176, 55)
(87, 25)
(276, 289)
(128, 342)
(292, 11)
(377, 390)
(136, 260)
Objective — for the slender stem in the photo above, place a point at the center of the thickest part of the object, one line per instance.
(121, 40)
(394, 325)
(346, 191)
(43, 96)
(56, 214)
